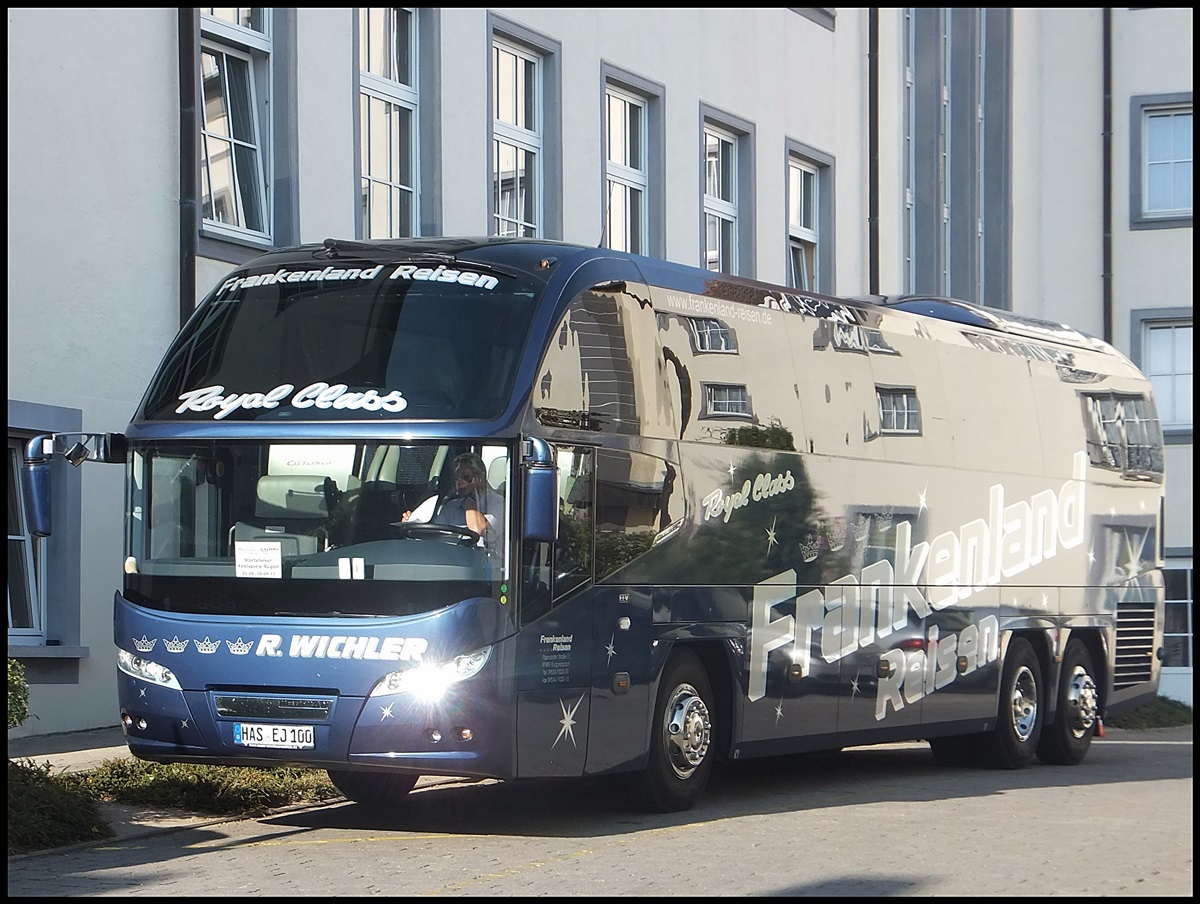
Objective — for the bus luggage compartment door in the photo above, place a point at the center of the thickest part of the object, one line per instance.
(554, 691)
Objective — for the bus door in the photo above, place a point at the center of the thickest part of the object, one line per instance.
(555, 644)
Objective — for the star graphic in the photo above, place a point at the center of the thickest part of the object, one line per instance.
(610, 649)
(183, 724)
(854, 688)
(385, 712)
(731, 467)
(779, 711)
(567, 722)
(771, 541)
(142, 692)
(921, 504)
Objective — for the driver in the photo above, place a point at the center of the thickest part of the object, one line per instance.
(476, 505)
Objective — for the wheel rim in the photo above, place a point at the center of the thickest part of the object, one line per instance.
(686, 730)
(1024, 703)
(1083, 701)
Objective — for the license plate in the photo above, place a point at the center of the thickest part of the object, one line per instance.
(286, 737)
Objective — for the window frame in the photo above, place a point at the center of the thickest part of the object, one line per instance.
(629, 178)
(34, 561)
(737, 211)
(253, 46)
(1141, 108)
(708, 411)
(398, 94)
(61, 553)
(1142, 321)
(651, 95)
(1188, 606)
(701, 328)
(909, 412)
(821, 166)
(521, 139)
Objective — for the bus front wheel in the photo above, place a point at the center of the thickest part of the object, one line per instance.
(681, 752)
(1013, 742)
(373, 789)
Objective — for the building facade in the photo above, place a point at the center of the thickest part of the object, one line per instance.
(1033, 160)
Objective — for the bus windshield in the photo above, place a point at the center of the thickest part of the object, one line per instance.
(359, 342)
(265, 528)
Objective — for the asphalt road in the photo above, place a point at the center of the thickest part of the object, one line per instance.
(869, 821)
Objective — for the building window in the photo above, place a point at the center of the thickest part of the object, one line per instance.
(711, 335)
(1177, 630)
(1167, 361)
(388, 141)
(1167, 179)
(802, 225)
(44, 573)
(626, 170)
(1123, 433)
(26, 605)
(720, 200)
(516, 140)
(726, 400)
(1160, 177)
(899, 410)
(234, 75)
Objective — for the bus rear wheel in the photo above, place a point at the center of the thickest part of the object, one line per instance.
(1066, 740)
(1013, 742)
(681, 753)
(373, 789)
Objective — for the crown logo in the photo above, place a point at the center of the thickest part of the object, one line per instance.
(837, 535)
(239, 647)
(861, 527)
(144, 644)
(208, 646)
(175, 645)
(884, 518)
(810, 547)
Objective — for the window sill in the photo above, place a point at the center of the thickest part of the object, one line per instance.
(38, 651)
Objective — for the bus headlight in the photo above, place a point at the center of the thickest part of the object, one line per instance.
(429, 681)
(147, 670)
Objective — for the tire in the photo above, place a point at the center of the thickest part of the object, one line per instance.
(373, 789)
(1013, 743)
(681, 752)
(954, 751)
(1066, 740)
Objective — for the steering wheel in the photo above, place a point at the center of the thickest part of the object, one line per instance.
(452, 533)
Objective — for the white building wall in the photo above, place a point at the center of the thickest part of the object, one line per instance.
(1058, 175)
(93, 249)
(326, 107)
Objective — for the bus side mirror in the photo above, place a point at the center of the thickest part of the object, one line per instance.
(540, 489)
(35, 484)
(38, 457)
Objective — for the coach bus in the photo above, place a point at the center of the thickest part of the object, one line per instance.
(722, 519)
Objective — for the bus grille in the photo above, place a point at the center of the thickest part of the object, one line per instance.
(1135, 639)
(254, 707)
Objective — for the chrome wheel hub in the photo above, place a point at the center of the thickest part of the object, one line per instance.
(1024, 704)
(1083, 702)
(687, 730)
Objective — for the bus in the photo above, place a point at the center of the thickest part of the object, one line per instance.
(723, 519)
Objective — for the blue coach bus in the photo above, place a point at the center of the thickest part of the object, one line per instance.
(514, 508)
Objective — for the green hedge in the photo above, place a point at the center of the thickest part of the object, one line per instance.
(18, 694)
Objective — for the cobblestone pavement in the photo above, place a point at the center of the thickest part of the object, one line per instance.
(868, 821)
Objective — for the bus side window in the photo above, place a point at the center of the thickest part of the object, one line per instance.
(553, 570)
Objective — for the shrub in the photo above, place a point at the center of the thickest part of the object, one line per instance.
(45, 813)
(18, 694)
